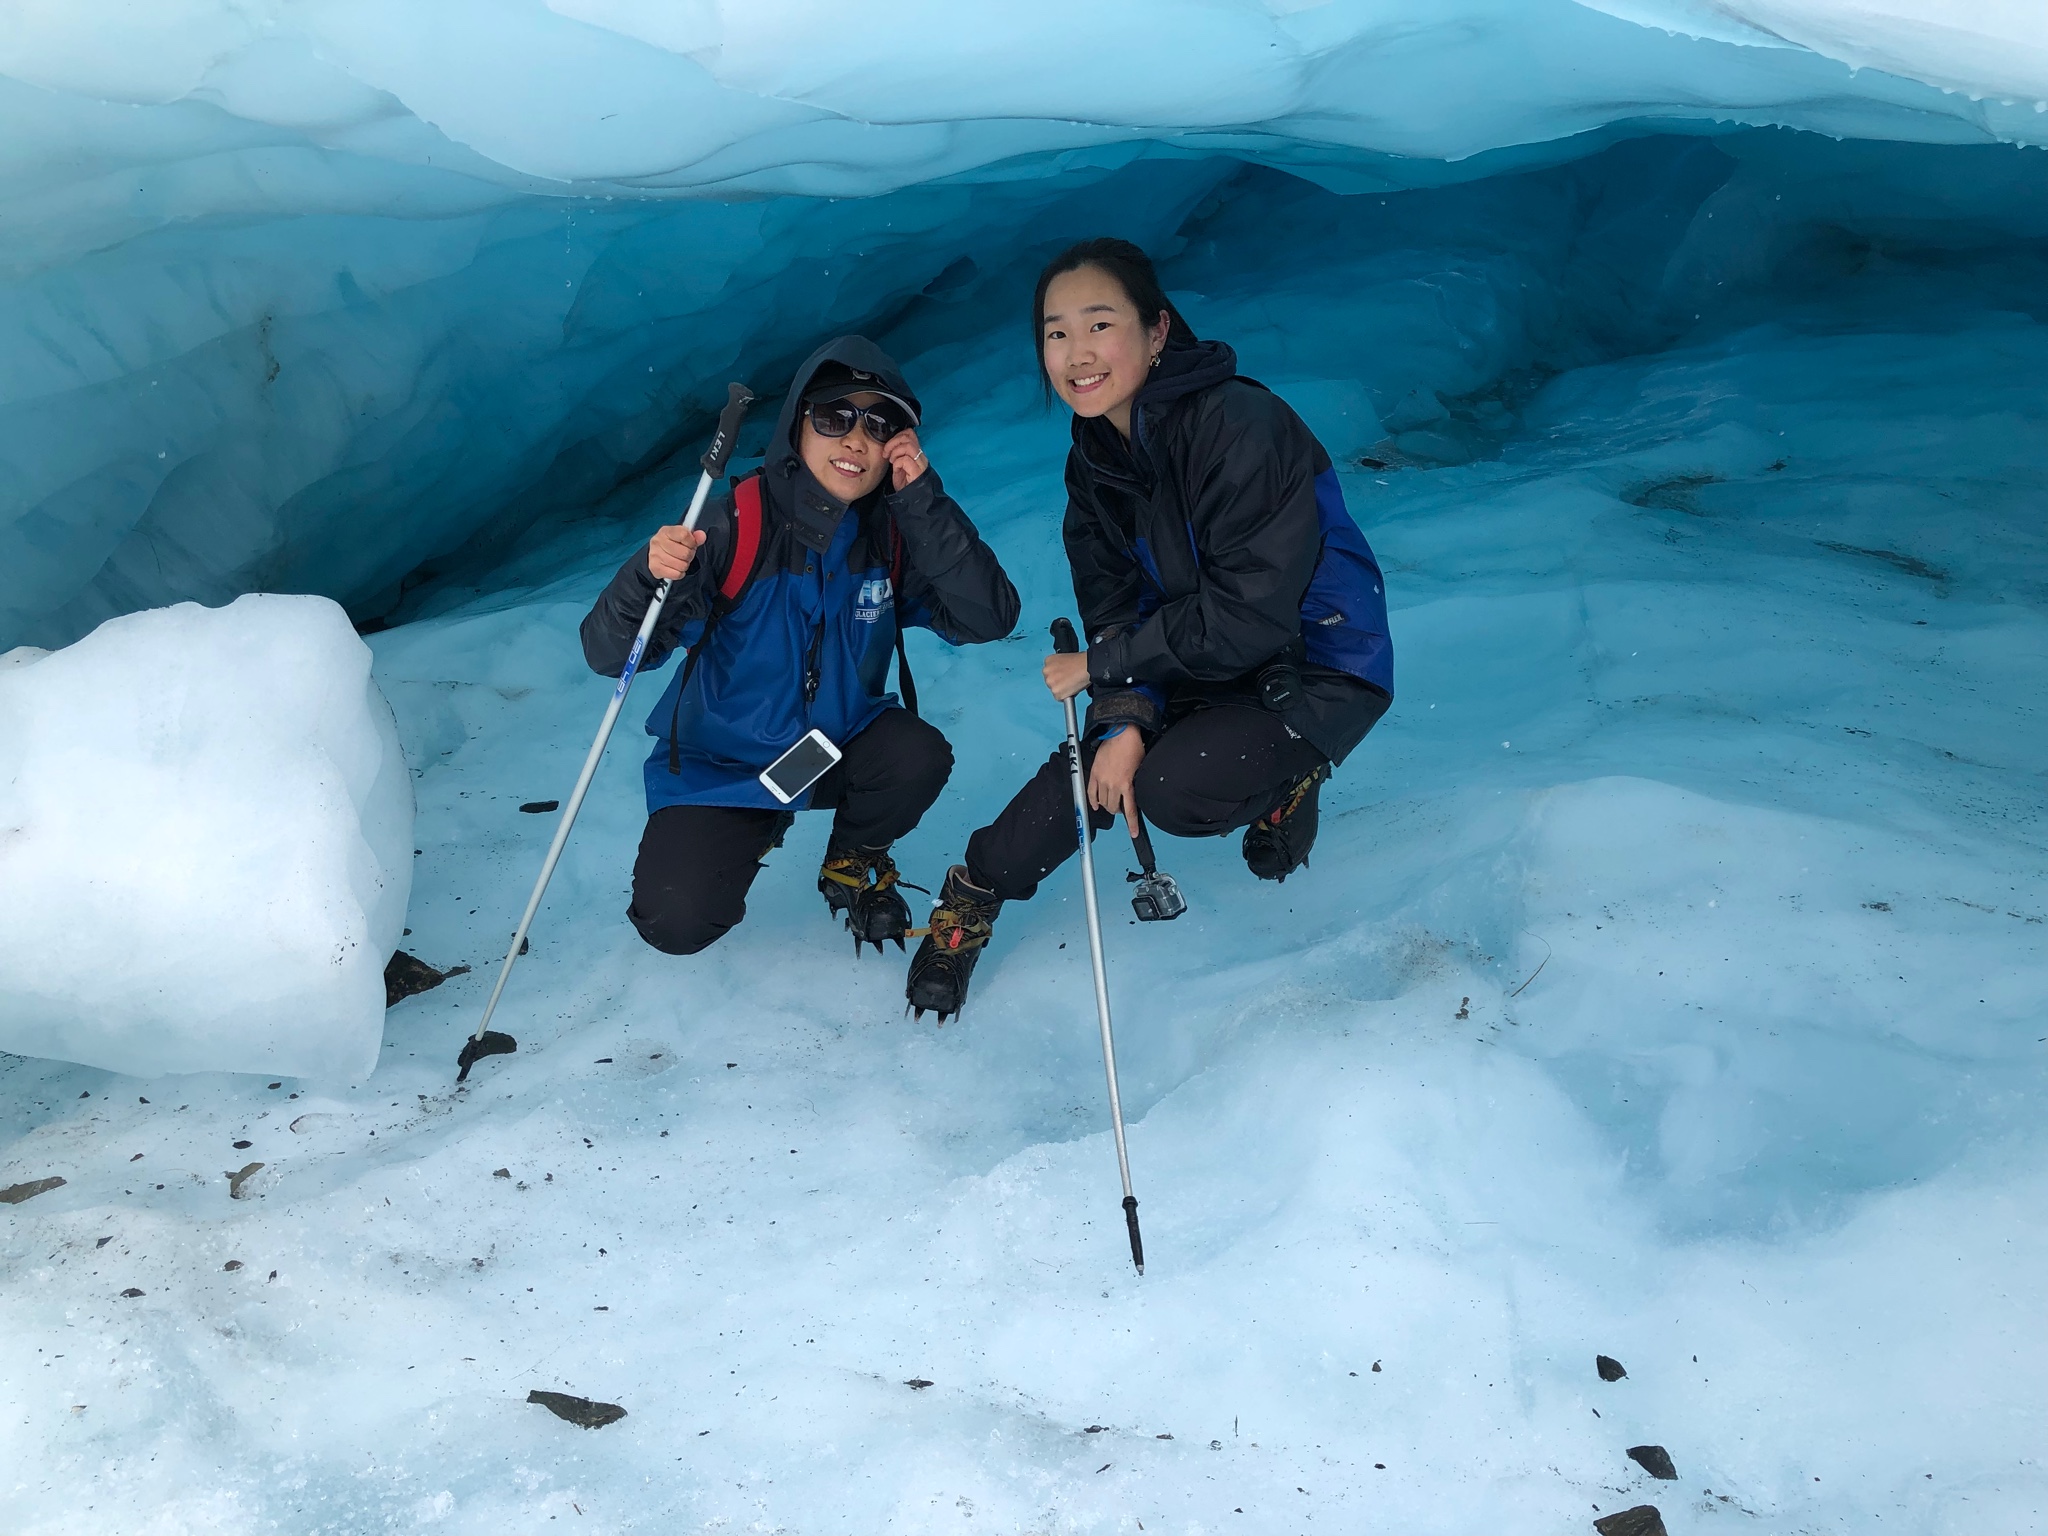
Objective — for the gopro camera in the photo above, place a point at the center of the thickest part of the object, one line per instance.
(1157, 899)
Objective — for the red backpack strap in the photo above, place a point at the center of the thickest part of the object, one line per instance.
(746, 536)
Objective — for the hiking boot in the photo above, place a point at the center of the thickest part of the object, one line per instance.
(860, 884)
(1277, 844)
(961, 925)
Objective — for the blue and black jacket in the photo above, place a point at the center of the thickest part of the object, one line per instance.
(808, 642)
(1217, 541)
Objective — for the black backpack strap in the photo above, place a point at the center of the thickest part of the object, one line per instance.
(746, 550)
(905, 683)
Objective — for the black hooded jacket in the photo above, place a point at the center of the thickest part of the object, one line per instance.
(817, 603)
(1214, 542)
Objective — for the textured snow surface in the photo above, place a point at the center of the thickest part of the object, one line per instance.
(304, 295)
(1667, 984)
(205, 844)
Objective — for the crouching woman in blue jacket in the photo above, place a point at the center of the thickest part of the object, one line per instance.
(789, 598)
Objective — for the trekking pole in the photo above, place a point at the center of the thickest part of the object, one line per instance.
(487, 1041)
(1066, 642)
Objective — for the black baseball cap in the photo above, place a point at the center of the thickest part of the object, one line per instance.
(836, 381)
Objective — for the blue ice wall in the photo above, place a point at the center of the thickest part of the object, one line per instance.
(321, 403)
(333, 299)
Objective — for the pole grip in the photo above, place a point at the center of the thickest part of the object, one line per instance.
(737, 398)
(1064, 640)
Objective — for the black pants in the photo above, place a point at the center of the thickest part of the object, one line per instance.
(697, 862)
(1208, 773)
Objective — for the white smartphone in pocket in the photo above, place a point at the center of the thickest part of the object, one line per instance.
(800, 767)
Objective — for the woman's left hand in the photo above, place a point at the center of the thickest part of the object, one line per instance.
(1066, 674)
(906, 457)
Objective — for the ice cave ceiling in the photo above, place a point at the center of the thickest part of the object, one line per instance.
(336, 298)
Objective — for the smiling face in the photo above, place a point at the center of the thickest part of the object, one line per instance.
(850, 466)
(1097, 350)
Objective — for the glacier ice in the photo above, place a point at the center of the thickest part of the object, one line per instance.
(1665, 983)
(207, 844)
(1981, 48)
(1665, 986)
(330, 297)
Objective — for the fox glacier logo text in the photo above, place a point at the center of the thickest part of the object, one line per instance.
(874, 595)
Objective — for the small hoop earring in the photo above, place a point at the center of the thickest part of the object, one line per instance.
(1155, 360)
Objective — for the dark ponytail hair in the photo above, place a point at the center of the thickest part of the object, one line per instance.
(1133, 272)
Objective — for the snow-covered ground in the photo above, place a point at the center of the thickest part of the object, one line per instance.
(1667, 984)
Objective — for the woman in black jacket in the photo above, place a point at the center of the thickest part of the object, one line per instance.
(1236, 622)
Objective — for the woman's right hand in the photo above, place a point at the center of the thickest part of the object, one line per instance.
(671, 550)
(1109, 778)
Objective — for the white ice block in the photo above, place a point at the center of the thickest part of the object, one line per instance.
(205, 844)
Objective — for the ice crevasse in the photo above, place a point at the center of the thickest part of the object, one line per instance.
(327, 297)
(1666, 981)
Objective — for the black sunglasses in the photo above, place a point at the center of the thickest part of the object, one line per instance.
(836, 419)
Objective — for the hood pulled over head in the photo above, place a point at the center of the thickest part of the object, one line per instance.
(845, 365)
